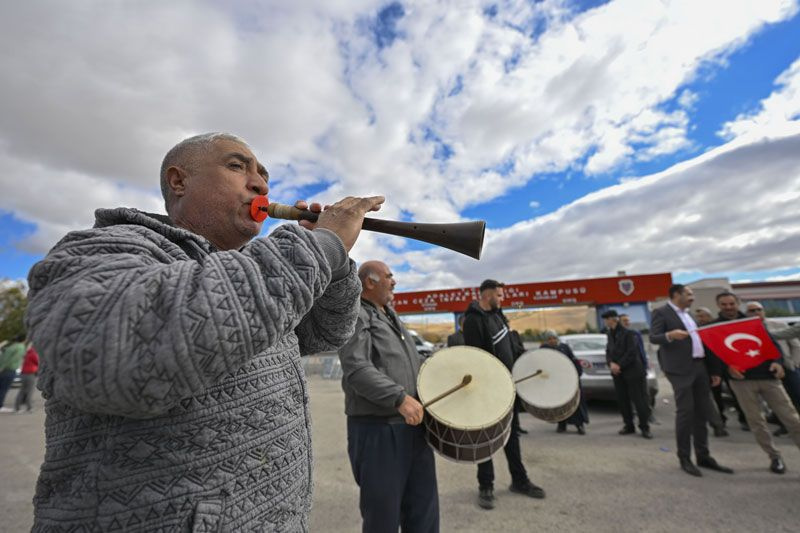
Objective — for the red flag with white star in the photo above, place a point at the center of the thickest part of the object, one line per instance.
(742, 344)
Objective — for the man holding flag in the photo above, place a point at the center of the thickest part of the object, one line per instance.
(755, 363)
(690, 372)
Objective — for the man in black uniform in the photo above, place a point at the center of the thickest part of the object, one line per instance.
(486, 328)
(627, 369)
(457, 338)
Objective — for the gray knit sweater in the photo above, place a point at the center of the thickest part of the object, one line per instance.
(176, 400)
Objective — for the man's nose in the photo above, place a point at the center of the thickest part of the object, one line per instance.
(258, 185)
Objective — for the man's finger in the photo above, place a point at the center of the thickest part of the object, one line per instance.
(372, 203)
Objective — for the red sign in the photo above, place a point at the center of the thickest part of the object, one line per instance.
(595, 291)
(742, 344)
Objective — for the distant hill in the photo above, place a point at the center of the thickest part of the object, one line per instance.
(559, 319)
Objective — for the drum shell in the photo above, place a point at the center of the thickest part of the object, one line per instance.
(552, 396)
(475, 422)
(467, 446)
(554, 414)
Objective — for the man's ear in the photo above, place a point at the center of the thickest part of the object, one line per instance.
(176, 180)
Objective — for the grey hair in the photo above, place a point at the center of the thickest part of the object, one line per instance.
(186, 152)
(549, 334)
(703, 309)
(367, 271)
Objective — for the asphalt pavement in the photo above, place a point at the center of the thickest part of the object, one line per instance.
(599, 482)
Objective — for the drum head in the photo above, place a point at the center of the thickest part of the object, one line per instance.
(557, 384)
(485, 401)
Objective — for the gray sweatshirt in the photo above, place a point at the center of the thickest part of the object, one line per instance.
(380, 364)
(175, 397)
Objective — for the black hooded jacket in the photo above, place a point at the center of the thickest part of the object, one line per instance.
(488, 330)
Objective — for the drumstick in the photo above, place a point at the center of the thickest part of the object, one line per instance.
(464, 382)
(520, 380)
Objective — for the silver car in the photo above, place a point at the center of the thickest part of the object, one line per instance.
(590, 350)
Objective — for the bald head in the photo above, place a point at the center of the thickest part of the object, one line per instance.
(377, 283)
(187, 153)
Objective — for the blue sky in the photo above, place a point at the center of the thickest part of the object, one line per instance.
(591, 136)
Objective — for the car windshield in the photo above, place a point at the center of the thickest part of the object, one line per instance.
(581, 345)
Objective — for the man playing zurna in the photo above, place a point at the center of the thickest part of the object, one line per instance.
(170, 353)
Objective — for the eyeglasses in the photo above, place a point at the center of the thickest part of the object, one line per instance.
(759, 309)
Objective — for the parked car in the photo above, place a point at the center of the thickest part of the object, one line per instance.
(424, 347)
(590, 350)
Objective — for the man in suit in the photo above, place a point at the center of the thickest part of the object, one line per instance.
(683, 360)
(625, 361)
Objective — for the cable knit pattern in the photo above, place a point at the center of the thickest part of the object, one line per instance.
(176, 400)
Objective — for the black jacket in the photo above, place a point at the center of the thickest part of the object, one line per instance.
(675, 356)
(456, 339)
(759, 372)
(488, 331)
(623, 349)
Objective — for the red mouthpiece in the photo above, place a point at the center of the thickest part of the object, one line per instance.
(258, 208)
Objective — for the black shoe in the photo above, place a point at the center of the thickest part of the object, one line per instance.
(689, 468)
(528, 489)
(581, 430)
(522, 431)
(721, 432)
(712, 464)
(561, 428)
(627, 430)
(646, 434)
(486, 498)
(777, 466)
(780, 431)
(744, 426)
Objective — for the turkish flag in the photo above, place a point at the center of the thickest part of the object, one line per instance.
(742, 344)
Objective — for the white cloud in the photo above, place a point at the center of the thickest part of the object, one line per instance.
(534, 204)
(776, 114)
(731, 209)
(94, 94)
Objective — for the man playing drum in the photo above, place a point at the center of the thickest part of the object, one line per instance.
(391, 461)
(485, 328)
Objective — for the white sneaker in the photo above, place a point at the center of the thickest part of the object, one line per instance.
(6, 410)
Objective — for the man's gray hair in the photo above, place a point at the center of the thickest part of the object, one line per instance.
(185, 154)
(549, 334)
(368, 271)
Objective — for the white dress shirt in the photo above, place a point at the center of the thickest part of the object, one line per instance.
(690, 326)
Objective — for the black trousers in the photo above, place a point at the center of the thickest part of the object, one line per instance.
(396, 472)
(631, 388)
(692, 411)
(514, 457)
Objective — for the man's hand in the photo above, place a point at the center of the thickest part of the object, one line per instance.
(677, 334)
(345, 217)
(734, 372)
(615, 369)
(314, 207)
(715, 381)
(777, 369)
(411, 410)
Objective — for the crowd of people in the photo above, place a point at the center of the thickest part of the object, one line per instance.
(170, 363)
(17, 355)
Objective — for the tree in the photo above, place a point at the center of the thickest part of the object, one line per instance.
(13, 301)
